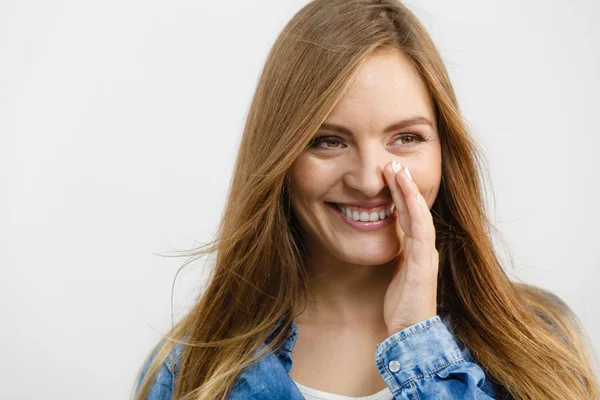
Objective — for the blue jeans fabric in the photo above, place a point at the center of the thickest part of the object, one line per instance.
(422, 361)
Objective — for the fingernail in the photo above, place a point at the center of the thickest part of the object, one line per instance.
(407, 173)
(396, 166)
(419, 198)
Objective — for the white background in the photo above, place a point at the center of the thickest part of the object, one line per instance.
(120, 121)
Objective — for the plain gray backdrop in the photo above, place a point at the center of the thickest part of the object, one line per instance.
(120, 121)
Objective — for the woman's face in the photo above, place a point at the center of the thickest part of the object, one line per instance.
(345, 165)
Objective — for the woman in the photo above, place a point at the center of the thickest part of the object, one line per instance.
(354, 256)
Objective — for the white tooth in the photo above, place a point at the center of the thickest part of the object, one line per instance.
(393, 207)
(348, 213)
(374, 216)
(382, 215)
(355, 216)
(339, 207)
(364, 216)
(388, 212)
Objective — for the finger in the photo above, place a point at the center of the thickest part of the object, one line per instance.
(419, 226)
(423, 238)
(428, 215)
(398, 198)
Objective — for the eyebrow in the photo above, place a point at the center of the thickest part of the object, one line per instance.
(395, 126)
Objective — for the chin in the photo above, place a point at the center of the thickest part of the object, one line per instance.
(370, 257)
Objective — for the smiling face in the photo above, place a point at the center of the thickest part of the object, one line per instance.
(344, 163)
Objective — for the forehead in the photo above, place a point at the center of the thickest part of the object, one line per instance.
(386, 88)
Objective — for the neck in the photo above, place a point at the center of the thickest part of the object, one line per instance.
(344, 293)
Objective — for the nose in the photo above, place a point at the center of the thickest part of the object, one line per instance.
(365, 172)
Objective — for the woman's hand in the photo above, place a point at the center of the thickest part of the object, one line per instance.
(411, 295)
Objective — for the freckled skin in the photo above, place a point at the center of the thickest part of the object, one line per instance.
(387, 89)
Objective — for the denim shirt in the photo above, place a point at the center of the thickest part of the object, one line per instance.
(422, 361)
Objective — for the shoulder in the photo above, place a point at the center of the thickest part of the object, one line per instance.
(173, 360)
(163, 386)
(546, 303)
(558, 317)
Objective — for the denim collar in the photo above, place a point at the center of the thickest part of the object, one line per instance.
(286, 349)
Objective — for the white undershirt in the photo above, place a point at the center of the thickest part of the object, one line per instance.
(313, 394)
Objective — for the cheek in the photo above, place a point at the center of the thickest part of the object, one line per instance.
(311, 178)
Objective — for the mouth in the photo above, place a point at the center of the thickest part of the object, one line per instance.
(362, 214)
(378, 218)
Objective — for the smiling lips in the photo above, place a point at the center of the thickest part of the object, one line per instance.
(366, 214)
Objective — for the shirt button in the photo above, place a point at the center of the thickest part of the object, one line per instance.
(394, 366)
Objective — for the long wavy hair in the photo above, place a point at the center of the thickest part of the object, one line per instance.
(524, 338)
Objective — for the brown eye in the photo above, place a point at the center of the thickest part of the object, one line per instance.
(410, 138)
(330, 142)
